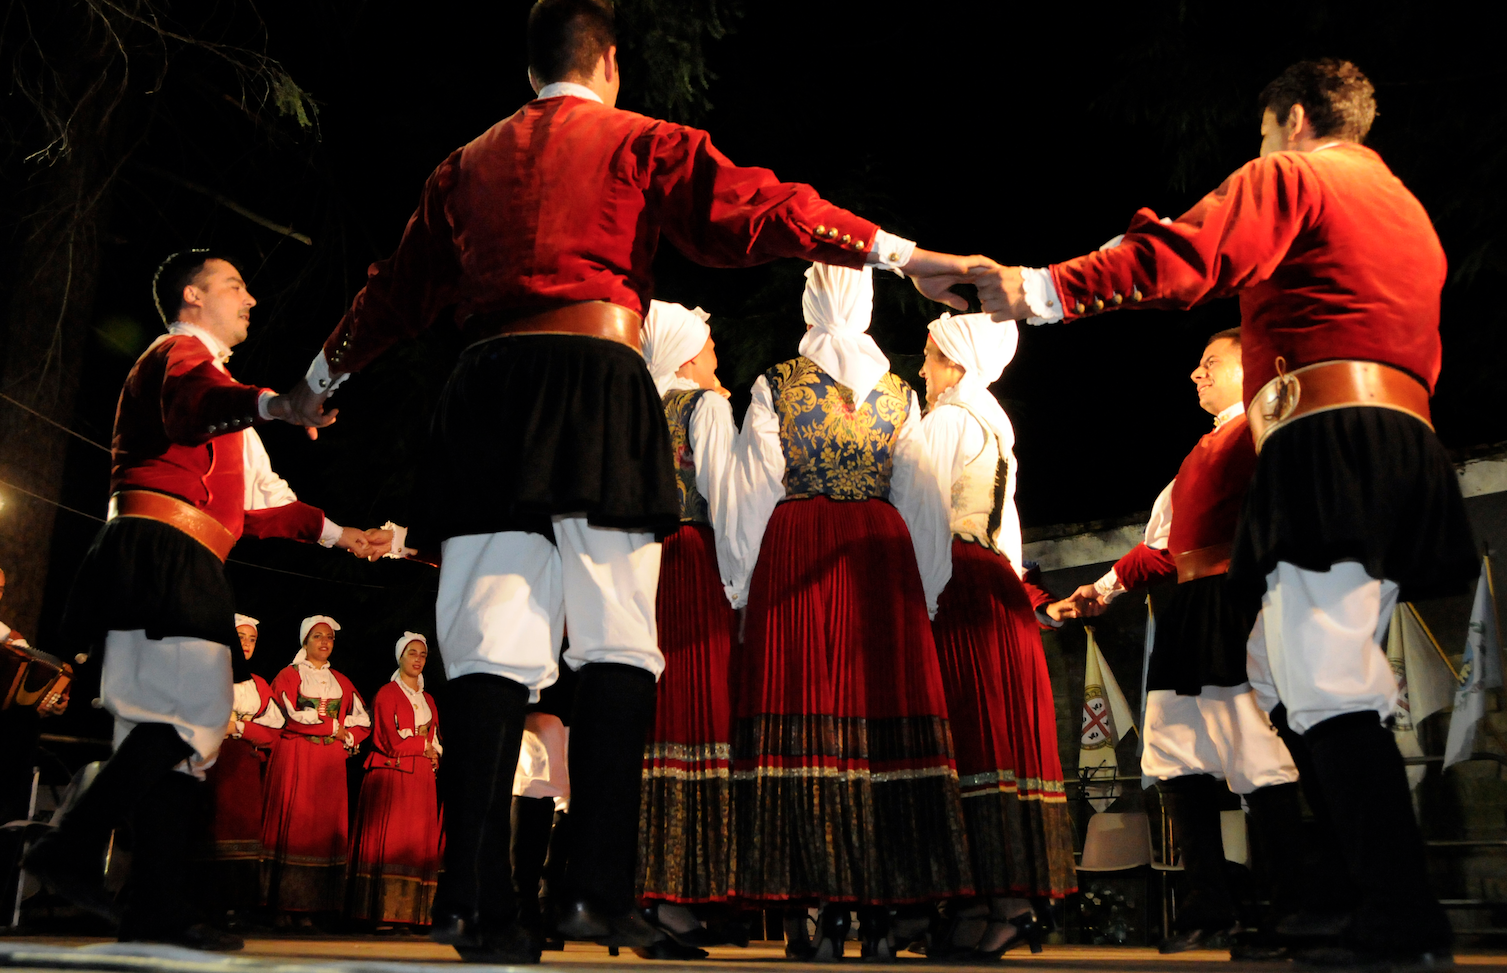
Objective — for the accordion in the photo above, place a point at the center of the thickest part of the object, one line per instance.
(29, 677)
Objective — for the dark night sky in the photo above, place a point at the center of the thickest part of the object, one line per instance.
(1030, 133)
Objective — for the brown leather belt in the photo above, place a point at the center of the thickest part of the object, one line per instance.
(175, 513)
(596, 319)
(1202, 563)
(1334, 385)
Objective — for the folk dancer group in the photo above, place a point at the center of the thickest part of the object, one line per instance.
(875, 758)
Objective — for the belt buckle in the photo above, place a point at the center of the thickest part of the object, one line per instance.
(1279, 397)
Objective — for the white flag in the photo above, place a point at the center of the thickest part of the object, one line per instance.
(1480, 670)
(1106, 719)
(1426, 684)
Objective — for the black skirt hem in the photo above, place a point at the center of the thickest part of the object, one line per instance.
(1200, 639)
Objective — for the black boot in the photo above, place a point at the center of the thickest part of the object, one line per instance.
(70, 860)
(1323, 909)
(1206, 914)
(532, 817)
(614, 708)
(475, 908)
(1277, 826)
(1357, 767)
(552, 891)
(158, 903)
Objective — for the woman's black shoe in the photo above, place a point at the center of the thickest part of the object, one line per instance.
(831, 933)
(1028, 930)
(698, 938)
(670, 949)
(874, 934)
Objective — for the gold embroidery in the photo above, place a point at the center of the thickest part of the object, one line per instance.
(679, 405)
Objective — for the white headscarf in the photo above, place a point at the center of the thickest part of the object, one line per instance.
(983, 347)
(304, 628)
(838, 304)
(673, 334)
(245, 620)
(398, 651)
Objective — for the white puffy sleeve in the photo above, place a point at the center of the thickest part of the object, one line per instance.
(264, 488)
(712, 433)
(758, 482)
(916, 490)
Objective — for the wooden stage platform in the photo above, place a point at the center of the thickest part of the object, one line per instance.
(369, 954)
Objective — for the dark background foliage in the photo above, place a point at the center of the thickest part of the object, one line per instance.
(1028, 134)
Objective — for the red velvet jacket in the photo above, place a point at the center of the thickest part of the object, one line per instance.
(333, 712)
(178, 431)
(566, 201)
(392, 713)
(1206, 500)
(252, 732)
(1330, 255)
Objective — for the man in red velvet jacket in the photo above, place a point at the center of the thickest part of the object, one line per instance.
(1354, 502)
(1205, 731)
(152, 589)
(553, 473)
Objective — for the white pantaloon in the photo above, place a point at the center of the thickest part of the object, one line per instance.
(506, 600)
(543, 761)
(183, 682)
(1223, 732)
(1319, 645)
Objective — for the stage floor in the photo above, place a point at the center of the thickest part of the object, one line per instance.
(368, 954)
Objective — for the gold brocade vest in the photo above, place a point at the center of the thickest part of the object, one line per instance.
(978, 495)
(834, 448)
(679, 405)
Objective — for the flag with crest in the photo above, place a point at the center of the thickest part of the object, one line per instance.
(1106, 720)
(1480, 670)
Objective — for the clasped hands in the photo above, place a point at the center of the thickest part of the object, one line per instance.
(371, 544)
(1001, 289)
(1086, 602)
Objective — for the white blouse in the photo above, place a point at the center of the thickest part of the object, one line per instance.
(712, 432)
(422, 714)
(759, 481)
(320, 683)
(246, 704)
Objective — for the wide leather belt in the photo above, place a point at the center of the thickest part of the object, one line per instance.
(175, 513)
(1202, 563)
(1334, 385)
(596, 319)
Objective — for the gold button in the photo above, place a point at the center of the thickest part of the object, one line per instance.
(1051, 303)
(1079, 308)
(893, 258)
(1118, 300)
(832, 233)
(847, 238)
(859, 244)
(1135, 295)
(821, 230)
(1098, 304)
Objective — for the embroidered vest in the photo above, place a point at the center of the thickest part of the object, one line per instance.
(834, 448)
(978, 495)
(678, 408)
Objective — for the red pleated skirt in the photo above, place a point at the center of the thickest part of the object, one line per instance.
(686, 813)
(1004, 729)
(305, 826)
(232, 861)
(844, 785)
(395, 857)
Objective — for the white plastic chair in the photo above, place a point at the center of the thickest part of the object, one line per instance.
(1116, 841)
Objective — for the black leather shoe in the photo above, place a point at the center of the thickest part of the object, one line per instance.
(197, 936)
(1369, 961)
(1198, 939)
(580, 921)
(453, 929)
(699, 938)
(1029, 931)
(510, 945)
(670, 949)
(78, 878)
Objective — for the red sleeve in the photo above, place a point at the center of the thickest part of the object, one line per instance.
(254, 733)
(358, 733)
(1145, 566)
(405, 293)
(297, 521)
(1040, 597)
(391, 713)
(200, 402)
(723, 215)
(1232, 238)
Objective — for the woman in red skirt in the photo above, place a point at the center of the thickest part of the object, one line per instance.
(233, 872)
(396, 852)
(686, 812)
(1004, 727)
(844, 786)
(305, 816)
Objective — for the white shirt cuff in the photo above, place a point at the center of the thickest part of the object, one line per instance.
(399, 548)
(262, 402)
(890, 252)
(1109, 587)
(320, 378)
(330, 534)
(1041, 295)
(240, 728)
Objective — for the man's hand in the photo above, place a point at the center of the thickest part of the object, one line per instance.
(355, 541)
(1088, 601)
(1001, 291)
(1059, 610)
(934, 273)
(302, 406)
(56, 705)
(378, 542)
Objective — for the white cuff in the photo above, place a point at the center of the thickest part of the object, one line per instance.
(399, 549)
(1109, 587)
(320, 378)
(890, 252)
(240, 728)
(404, 733)
(1041, 295)
(330, 534)
(262, 401)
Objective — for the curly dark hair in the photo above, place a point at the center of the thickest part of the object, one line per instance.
(567, 37)
(1338, 99)
(177, 272)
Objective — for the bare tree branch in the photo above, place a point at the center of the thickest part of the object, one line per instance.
(226, 202)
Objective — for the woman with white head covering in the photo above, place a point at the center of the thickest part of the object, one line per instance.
(989, 641)
(396, 849)
(687, 810)
(840, 737)
(305, 826)
(235, 783)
